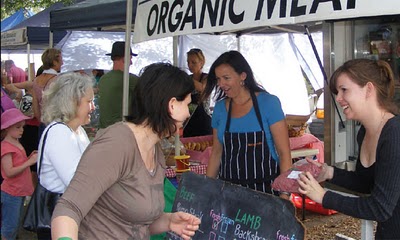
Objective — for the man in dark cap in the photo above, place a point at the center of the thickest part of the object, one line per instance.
(111, 87)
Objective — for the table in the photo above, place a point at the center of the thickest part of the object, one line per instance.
(199, 169)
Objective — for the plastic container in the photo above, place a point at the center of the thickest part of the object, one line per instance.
(310, 205)
(182, 163)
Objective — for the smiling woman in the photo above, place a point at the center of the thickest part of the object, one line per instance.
(365, 90)
(67, 105)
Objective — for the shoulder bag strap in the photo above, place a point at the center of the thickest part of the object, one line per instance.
(42, 149)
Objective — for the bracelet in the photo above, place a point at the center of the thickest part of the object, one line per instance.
(286, 193)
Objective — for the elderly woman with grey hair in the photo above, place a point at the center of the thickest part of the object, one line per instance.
(67, 105)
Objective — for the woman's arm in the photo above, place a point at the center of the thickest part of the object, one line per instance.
(63, 151)
(64, 227)
(36, 106)
(215, 158)
(183, 224)
(280, 136)
(10, 88)
(22, 85)
(10, 170)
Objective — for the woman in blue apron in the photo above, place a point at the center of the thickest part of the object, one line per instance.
(250, 135)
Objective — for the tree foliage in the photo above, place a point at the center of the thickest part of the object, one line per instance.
(9, 7)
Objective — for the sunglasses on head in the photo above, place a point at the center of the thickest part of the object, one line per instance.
(196, 50)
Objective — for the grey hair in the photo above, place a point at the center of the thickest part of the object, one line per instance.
(60, 101)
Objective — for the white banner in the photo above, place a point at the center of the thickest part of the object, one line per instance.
(14, 37)
(162, 18)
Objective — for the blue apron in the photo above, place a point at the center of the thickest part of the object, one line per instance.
(246, 159)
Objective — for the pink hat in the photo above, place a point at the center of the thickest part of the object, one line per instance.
(11, 117)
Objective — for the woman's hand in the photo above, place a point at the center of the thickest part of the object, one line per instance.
(32, 158)
(310, 187)
(326, 171)
(184, 224)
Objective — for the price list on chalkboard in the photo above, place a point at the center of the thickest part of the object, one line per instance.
(231, 212)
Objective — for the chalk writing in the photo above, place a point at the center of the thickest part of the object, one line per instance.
(255, 221)
(180, 208)
(280, 236)
(228, 212)
(186, 194)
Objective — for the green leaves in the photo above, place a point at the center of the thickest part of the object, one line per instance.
(9, 7)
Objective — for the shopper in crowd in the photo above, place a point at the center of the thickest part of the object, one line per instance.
(52, 62)
(17, 183)
(364, 90)
(46, 74)
(6, 101)
(67, 105)
(250, 136)
(14, 73)
(200, 122)
(124, 168)
(12, 92)
(111, 87)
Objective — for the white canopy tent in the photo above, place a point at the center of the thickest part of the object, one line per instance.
(270, 55)
(87, 50)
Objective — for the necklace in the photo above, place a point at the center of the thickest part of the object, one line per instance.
(243, 103)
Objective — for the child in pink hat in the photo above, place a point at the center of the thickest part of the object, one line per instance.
(17, 183)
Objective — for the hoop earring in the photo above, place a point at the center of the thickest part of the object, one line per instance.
(242, 83)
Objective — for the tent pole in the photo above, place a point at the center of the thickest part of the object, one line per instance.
(127, 58)
(175, 40)
(323, 73)
(28, 50)
(51, 44)
(238, 35)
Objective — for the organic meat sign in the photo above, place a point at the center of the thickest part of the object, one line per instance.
(163, 18)
(230, 212)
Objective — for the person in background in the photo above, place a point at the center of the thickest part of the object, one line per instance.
(364, 90)
(46, 74)
(199, 123)
(97, 74)
(135, 175)
(67, 105)
(52, 62)
(6, 101)
(111, 87)
(14, 93)
(14, 73)
(17, 183)
(250, 136)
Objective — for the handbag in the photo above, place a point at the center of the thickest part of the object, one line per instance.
(26, 105)
(41, 206)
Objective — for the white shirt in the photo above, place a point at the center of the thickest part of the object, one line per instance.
(62, 152)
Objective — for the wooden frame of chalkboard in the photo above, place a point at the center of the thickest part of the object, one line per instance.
(230, 212)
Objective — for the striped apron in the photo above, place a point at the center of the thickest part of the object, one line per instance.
(246, 159)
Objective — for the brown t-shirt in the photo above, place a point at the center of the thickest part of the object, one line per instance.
(113, 195)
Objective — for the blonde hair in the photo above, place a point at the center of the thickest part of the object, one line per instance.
(49, 56)
(198, 53)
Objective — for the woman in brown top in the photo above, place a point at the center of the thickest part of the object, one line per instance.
(117, 190)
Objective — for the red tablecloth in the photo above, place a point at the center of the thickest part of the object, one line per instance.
(199, 169)
(308, 141)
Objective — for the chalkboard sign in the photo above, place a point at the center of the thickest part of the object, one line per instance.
(230, 212)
